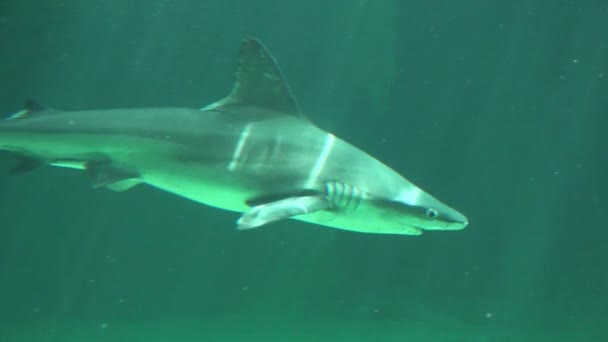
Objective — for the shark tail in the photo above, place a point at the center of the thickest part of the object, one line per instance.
(27, 163)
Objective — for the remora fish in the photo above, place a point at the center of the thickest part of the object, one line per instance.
(252, 152)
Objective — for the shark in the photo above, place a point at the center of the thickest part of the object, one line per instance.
(253, 152)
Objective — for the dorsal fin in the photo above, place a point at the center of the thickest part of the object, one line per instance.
(32, 107)
(259, 82)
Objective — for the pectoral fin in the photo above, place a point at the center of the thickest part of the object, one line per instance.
(26, 164)
(116, 178)
(123, 185)
(280, 210)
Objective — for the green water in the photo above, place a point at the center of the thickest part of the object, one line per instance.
(499, 108)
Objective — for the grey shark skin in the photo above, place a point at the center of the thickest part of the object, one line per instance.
(252, 152)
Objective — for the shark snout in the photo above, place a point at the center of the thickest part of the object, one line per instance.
(435, 215)
(454, 220)
(443, 217)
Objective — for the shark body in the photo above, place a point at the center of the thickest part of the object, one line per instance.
(252, 152)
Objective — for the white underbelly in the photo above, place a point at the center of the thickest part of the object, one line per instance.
(199, 189)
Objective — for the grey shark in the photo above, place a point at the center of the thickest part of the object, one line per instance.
(253, 152)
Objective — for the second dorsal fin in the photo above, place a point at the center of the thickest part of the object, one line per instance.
(32, 108)
(259, 82)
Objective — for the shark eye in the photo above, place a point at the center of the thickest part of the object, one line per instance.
(431, 213)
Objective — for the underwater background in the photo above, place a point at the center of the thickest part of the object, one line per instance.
(498, 108)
